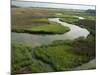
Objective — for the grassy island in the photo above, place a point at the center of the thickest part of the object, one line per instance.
(52, 28)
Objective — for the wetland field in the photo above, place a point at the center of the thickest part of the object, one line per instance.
(49, 39)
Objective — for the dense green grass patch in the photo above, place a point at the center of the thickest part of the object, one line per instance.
(21, 58)
(38, 66)
(23, 62)
(63, 55)
(52, 28)
(58, 56)
(90, 17)
(70, 19)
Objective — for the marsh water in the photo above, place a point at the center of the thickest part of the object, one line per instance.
(39, 39)
(89, 65)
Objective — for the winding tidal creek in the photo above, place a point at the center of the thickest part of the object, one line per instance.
(36, 40)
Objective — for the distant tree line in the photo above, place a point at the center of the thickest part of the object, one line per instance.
(14, 6)
(91, 11)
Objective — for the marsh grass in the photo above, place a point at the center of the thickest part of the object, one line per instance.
(64, 55)
(61, 55)
(52, 28)
(58, 56)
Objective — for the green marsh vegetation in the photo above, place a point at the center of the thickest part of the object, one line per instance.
(26, 21)
(60, 55)
(89, 21)
(51, 28)
(67, 54)
(23, 62)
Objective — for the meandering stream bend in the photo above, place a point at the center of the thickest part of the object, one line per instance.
(34, 39)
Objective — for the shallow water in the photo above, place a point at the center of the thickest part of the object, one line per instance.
(79, 17)
(35, 39)
(90, 65)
